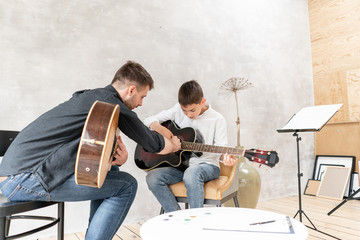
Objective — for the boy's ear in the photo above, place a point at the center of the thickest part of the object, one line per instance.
(203, 101)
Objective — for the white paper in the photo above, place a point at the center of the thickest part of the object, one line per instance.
(280, 225)
(311, 118)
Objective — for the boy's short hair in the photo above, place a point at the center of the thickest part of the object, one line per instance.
(190, 93)
(134, 72)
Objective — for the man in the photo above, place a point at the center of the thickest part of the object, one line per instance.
(39, 164)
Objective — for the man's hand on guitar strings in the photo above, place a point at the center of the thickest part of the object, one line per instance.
(165, 132)
(121, 154)
(228, 159)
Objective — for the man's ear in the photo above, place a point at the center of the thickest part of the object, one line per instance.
(131, 90)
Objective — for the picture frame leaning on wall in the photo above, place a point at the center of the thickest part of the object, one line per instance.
(322, 161)
(334, 182)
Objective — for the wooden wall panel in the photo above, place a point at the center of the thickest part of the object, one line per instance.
(331, 88)
(339, 139)
(335, 44)
(353, 92)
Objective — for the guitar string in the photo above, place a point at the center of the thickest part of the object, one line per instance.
(211, 148)
(220, 149)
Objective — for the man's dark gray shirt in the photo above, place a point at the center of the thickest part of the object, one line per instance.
(48, 146)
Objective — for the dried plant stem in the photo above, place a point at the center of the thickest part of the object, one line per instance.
(233, 85)
(237, 120)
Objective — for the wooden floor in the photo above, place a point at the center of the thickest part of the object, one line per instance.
(344, 223)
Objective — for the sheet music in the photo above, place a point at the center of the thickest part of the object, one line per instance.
(311, 118)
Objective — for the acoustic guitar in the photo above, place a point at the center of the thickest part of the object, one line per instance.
(191, 143)
(96, 145)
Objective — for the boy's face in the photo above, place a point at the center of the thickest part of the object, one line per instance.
(194, 110)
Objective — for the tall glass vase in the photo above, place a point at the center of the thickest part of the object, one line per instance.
(249, 185)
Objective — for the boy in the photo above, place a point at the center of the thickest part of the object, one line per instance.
(191, 111)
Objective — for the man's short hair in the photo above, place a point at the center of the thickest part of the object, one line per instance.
(190, 93)
(134, 72)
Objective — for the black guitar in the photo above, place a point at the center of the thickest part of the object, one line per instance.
(191, 143)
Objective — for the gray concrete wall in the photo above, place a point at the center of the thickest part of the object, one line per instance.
(49, 49)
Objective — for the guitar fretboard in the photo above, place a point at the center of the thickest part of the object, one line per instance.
(199, 147)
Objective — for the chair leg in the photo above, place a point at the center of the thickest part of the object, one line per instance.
(186, 205)
(61, 208)
(236, 201)
(7, 226)
(2, 228)
(162, 211)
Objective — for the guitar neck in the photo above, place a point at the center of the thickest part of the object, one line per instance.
(199, 147)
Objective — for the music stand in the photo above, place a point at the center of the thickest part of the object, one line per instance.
(308, 119)
(351, 197)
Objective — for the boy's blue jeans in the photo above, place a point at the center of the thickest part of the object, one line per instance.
(109, 204)
(194, 178)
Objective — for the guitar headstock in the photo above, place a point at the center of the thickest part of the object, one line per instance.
(268, 158)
